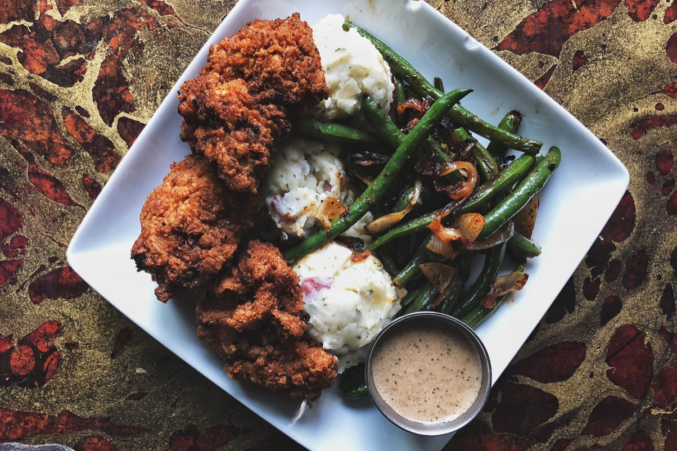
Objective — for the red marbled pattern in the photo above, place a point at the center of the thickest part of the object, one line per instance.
(599, 373)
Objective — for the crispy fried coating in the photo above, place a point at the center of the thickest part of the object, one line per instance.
(254, 319)
(238, 105)
(190, 227)
(232, 112)
(278, 60)
(223, 123)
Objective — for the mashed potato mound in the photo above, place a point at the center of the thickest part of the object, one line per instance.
(348, 303)
(303, 174)
(352, 67)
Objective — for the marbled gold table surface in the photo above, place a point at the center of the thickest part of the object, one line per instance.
(80, 78)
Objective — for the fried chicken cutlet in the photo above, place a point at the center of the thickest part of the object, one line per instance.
(238, 104)
(222, 123)
(277, 59)
(231, 118)
(254, 319)
(190, 227)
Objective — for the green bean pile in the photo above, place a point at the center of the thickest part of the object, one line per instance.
(440, 138)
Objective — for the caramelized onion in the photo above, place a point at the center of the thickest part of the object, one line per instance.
(525, 220)
(503, 285)
(329, 210)
(466, 147)
(438, 246)
(414, 104)
(368, 158)
(360, 256)
(387, 221)
(442, 278)
(499, 237)
(461, 190)
(471, 225)
(427, 166)
(367, 180)
(446, 234)
(439, 275)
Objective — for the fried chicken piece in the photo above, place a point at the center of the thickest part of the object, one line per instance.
(278, 60)
(191, 224)
(238, 105)
(190, 227)
(254, 319)
(223, 123)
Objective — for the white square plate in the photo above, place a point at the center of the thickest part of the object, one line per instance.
(575, 206)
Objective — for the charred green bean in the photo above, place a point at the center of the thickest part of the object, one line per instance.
(480, 313)
(449, 302)
(510, 123)
(522, 247)
(472, 298)
(385, 180)
(527, 189)
(458, 114)
(486, 165)
(335, 133)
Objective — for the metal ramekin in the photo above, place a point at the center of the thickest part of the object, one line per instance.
(425, 319)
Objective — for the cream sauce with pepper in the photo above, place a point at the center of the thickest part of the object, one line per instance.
(427, 375)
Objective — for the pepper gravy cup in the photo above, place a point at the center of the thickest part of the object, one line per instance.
(457, 330)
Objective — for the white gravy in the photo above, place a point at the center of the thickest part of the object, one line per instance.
(428, 376)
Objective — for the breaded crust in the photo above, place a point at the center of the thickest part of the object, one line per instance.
(238, 105)
(254, 319)
(192, 223)
(222, 123)
(277, 59)
(190, 226)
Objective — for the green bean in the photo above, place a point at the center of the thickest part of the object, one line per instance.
(492, 265)
(473, 123)
(413, 244)
(512, 173)
(352, 377)
(486, 165)
(411, 296)
(401, 252)
(522, 247)
(386, 129)
(458, 114)
(352, 383)
(335, 133)
(385, 180)
(416, 225)
(394, 137)
(509, 176)
(388, 263)
(510, 123)
(400, 98)
(480, 313)
(448, 303)
(401, 93)
(412, 270)
(423, 299)
(357, 393)
(403, 201)
(403, 249)
(527, 189)
(439, 84)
